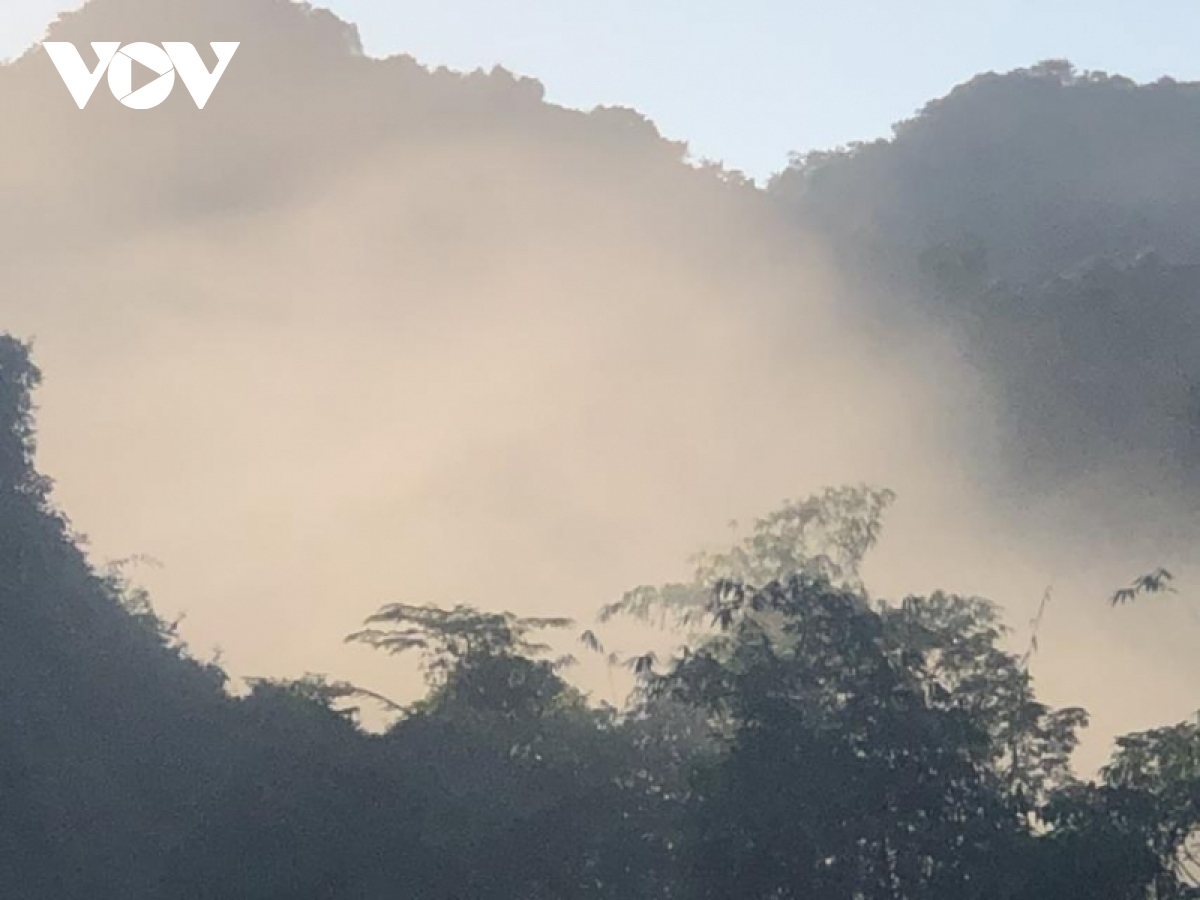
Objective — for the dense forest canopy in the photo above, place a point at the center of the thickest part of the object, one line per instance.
(1050, 215)
(365, 333)
(808, 741)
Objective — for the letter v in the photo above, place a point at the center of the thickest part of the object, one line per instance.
(199, 81)
(74, 71)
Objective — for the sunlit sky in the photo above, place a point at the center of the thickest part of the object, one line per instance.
(748, 81)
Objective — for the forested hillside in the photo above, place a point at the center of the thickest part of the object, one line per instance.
(1052, 216)
(808, 743)
(1047, 167)
(364, 331)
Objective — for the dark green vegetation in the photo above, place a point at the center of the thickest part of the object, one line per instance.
(1051, 218)
(810, 741)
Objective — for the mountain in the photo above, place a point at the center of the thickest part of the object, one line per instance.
(448, 306)
(1048, 168)
(363, 331)
(1050, 217)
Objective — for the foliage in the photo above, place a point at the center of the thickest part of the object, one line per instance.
(1046, 217)
(827, 535)
(811, 742)
(872, 751)
(1156, 582)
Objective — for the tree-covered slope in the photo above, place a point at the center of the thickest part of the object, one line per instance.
(1050, 218)
(1047, 167)
(809, 742)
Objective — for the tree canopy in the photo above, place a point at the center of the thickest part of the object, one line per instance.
(808, 740)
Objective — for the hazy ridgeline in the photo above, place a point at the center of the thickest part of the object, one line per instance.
(363, 332)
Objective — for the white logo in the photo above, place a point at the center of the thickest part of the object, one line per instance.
(165, 61)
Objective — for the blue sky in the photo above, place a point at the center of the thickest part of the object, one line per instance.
(747, 81)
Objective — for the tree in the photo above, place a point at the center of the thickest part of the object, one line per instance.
(860, 759)
(527, 790)
(828, 535)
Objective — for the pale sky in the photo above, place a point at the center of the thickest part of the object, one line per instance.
(747, 81)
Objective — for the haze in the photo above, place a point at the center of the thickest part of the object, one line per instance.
(365, 332)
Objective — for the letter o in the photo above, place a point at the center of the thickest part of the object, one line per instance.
(120, 75)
